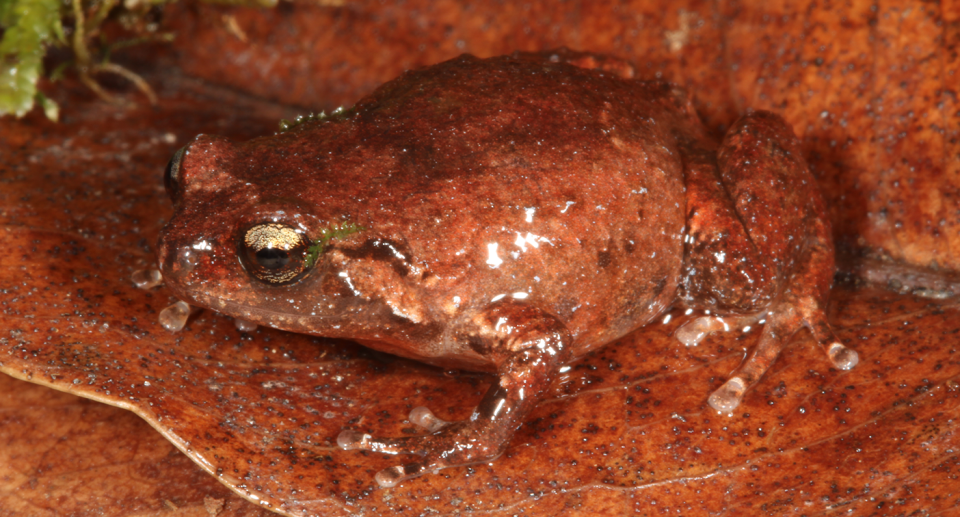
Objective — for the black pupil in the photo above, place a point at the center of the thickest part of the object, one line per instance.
(272, 258)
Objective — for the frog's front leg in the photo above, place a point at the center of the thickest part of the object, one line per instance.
(529, 346)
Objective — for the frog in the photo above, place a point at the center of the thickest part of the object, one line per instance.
(506, 215)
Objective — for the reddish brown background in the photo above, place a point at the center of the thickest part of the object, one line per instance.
(870, 89)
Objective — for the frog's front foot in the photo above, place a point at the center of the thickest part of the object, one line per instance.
(529, 346)
(449, 444)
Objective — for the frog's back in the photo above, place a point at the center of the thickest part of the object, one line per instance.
(514, 177)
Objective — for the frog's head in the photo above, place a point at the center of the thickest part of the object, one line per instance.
(244, 240)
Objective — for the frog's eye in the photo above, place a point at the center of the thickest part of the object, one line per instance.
(274, 253)
(171, 177)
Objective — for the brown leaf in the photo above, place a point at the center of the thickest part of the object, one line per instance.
(626, 429)
(63, 455)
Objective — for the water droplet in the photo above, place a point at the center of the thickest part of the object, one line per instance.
(174, 317)
(146, 278)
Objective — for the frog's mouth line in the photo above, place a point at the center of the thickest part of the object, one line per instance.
(339, 324)
(229, 308)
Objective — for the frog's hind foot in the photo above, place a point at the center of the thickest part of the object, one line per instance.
(779, 325)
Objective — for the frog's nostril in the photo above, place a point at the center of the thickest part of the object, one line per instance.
(171, 176)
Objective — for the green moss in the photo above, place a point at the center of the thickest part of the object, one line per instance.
(30, 26)
(326, 235)
(287, 125)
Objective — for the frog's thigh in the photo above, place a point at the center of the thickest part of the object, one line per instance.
(771, 187)
(783, 214)
(747, 216)
(529, 346)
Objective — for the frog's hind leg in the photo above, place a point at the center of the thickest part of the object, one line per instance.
(759, 243)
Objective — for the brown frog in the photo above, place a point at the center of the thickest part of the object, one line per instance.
(505, 215)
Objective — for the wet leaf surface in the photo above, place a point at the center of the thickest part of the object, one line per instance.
(627, 429)
(64, 455)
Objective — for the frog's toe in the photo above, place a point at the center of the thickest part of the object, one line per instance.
(456, 444)
(349, 439)
(841, 356)
(694, 331)
(354, 440)
(779, 325)
(393, 476)
(424, 418)
(728, 396)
